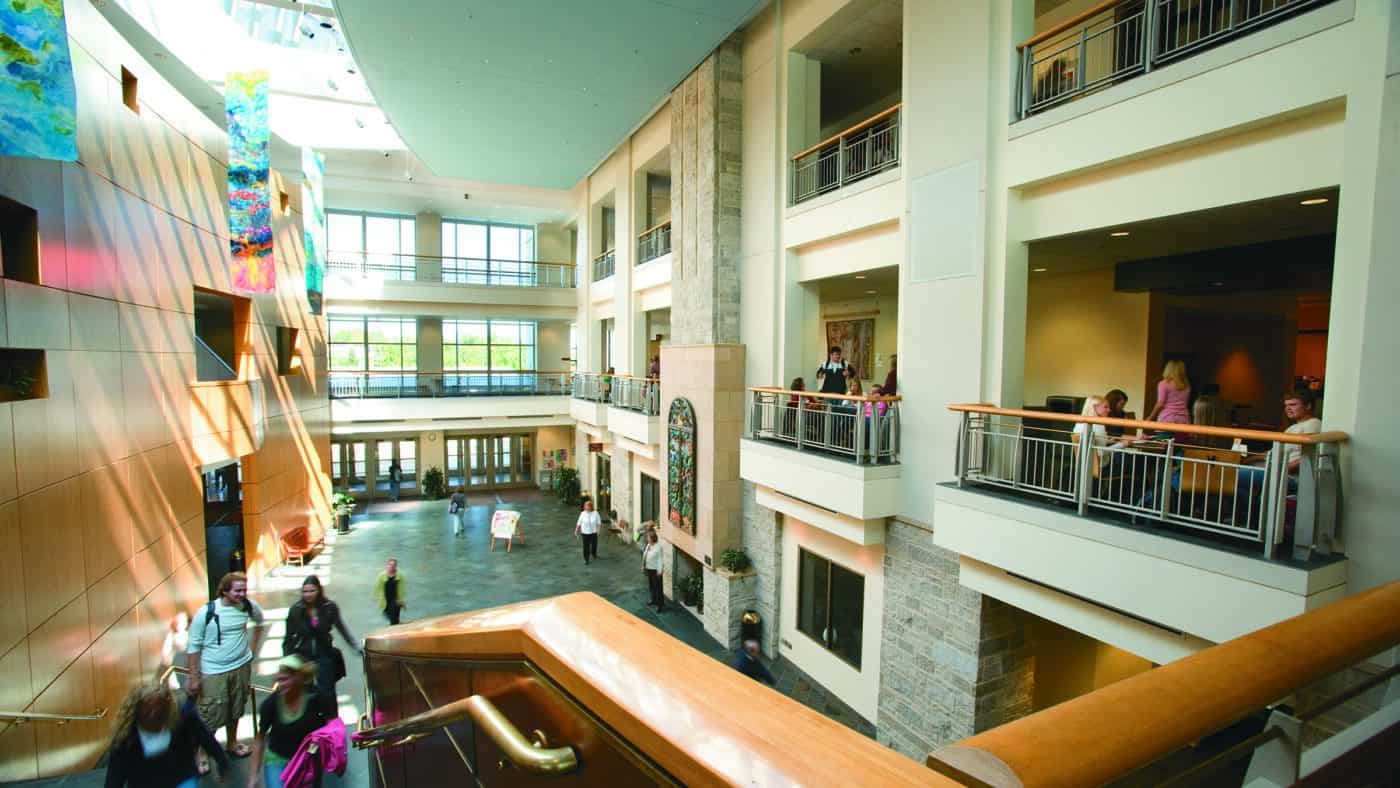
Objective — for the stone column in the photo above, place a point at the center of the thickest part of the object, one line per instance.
(952, 661)
(622, 483)
(427, 243)
(763, 543)
(704, 362)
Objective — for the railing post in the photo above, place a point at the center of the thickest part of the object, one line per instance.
(962, 449)
(1165, 488)
(1016, 453)
(1319, 503)
(1149, 33)
(858, 438)
(840, 162)
(1027, 59)
(1270, 508)
(1083, 58)
(801, 423)
(1086, 469)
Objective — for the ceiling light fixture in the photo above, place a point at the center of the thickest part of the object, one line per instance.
(855, 50)
(1314, 201)
(860, 276)
(870, 292)
(1040, 270)
(466, 196)
(1120, 234)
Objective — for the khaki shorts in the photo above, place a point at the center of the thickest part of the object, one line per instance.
(223, 696)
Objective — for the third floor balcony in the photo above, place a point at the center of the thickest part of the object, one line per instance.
(604, 265)
(470, 271)
(654, 243)
(861, 151)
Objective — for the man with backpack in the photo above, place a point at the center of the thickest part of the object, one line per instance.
(221, 659)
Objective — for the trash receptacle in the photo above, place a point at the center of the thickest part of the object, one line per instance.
(750, 625)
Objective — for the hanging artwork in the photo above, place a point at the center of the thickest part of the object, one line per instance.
(856, 338)
(249, 198)
(680, 464)
(38, 104)
(313, 222)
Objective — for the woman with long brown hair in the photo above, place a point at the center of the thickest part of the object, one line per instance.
(155, 742)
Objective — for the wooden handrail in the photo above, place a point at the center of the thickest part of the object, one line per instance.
(441, 257)
(616, 376)
(450, 372)
(867, 122)
(820, 395)
(1138, 720)
(1160, 426)
(1068, 23)
(680, 713)
(605, 253)
(652, 229)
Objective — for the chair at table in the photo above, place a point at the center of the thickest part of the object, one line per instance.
(1203, 478)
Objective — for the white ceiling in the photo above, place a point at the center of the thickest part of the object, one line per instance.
(852, 287)
(531, 92)
(863, 30)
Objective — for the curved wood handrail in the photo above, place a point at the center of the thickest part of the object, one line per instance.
(441, 257)
(867, 122)
(680, 712)
(819, 395)
(1159, 426)
(1138, 720)
(605, 253)
(451, 372)
(653, 229)
(1050, 33)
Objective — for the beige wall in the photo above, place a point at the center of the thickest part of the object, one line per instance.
(552, 345)
(101, 519)
(551, 439)
(884, 310)
(1084, 338)
(1069, 664)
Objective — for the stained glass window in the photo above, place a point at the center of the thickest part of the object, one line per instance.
(681, 465)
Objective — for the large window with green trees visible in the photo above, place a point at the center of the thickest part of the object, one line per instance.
(483, 253)
(488, 345)
(379, 246)
(373, 344)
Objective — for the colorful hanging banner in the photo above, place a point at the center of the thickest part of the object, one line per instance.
(313, 222)
(38, 104)
(249, 198)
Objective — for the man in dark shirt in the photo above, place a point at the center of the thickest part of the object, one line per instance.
(833, 373)
(891, 380)
(390, 590)
(747, 663)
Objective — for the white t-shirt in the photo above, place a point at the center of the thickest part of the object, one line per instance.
(588, 522)
(651, 558)
(1308, 426)
(224, 646)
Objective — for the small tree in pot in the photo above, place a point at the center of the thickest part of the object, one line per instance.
(434, 484)
(343, 505)
(693, 592)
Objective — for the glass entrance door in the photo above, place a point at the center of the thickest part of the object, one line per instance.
(488, 462)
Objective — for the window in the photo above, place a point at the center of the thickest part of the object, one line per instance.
(129, 91)
(19, 241)
(288, 363)
(373, 344)
(215, 342)
(406, 453)
(488, 345)
(651, 499)
(23, 375)
(481, 253)
(348, 466)
(831, 606)
(371, 245)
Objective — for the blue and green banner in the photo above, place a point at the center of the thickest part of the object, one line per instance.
(38, 103)
(313, 222)
(249, 196)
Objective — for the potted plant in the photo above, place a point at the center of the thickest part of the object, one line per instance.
(343, 505)
(734, 561)
(693, 592)
(434, 484)
(566, 484)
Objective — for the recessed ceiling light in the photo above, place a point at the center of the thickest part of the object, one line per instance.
(1120, 234)
(870, 292)
(860, 276)
(1040, 270)
(1314, 201)
(1217, 284)
(327, 25)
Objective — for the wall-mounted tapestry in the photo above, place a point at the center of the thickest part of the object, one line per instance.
(249, 198)
(313, 223)
(38, 104)
(680, 462)
(856, 338)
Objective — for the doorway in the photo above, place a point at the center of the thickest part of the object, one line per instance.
(604, 503)
(490, 462)
(223, 522)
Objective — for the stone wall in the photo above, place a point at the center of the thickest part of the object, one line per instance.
(953, 662)
(726, 598)
(706, 117)
(622, 484)
(763, 542)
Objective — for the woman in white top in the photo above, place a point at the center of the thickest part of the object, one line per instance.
(651, 565)
(1098, 433)
(587, 527)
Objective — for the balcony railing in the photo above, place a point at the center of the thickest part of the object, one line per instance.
(1120, 39)
(1227, 482)
(863, 429)
(867, 148)
(592, 386)
(432, 385)
(654, 243)
(604, 265)
(642, 395)
(478, 271)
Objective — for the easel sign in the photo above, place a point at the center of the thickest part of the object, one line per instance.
(505, 524)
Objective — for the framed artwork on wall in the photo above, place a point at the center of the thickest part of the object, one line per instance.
(856, 338)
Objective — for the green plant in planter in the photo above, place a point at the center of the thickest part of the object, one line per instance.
(734, 560)
(693, 590)
(566, 484)
(343, 504)
(434, 483)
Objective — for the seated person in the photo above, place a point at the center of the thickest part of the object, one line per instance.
(1117, 401)
(1208, 410)
(1249, 483)
(1109, 461)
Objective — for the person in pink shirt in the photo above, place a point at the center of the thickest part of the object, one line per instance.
(1173, 395)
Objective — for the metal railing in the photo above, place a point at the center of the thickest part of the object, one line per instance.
(864, 429)
(867, 148)
(654, 243)
(253, 689)
(209, 365)
(22, 717)
(642, 395)
(433, 385)
(604, 265)
(592, 386)
(1114, 41)
(1179, 474)
(476, 271)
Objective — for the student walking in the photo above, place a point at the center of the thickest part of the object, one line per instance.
(221, 659)
(457, 508)
(587, 527)
(309, 625)
(286, 718)
(395, 479)
(389, 589)
(652, 567)
(155, 742)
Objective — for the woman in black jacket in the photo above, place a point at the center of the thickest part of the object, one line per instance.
(309, 625)
(155, 742)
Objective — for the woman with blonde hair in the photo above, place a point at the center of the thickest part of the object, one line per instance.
(1173, 395)
(155, 742)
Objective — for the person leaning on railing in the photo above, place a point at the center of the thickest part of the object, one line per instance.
(1298, 407)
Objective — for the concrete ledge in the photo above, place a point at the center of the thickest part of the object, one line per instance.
(863, 492)
(588, 412)
(861, 532)
(635, 426)
(345, 411)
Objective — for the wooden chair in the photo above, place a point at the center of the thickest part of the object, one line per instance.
(296, 544)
